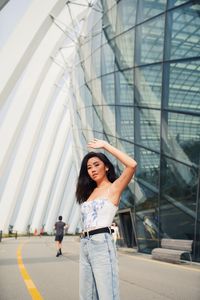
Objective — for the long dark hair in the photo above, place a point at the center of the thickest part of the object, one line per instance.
(85, 185)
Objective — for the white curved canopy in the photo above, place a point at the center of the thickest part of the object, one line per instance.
(38, 165)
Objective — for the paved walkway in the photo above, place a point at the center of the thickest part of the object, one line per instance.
(28, 266)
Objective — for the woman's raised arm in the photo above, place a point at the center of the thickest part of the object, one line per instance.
(129, 163)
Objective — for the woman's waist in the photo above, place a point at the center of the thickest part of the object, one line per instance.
(97, 230)
(88, 225)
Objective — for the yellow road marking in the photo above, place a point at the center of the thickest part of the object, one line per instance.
(163, 263)
(27, 279)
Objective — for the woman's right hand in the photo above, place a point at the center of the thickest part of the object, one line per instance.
(96, 144)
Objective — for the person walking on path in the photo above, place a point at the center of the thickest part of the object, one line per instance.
(98, 192)
(59, 227)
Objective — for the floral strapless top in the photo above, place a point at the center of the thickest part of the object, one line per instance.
(97, 213)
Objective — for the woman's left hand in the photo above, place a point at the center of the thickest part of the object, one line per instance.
(96, 144)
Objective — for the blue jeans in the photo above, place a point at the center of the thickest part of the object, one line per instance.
(98, 268)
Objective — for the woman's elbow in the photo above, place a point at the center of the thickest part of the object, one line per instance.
(134, 165)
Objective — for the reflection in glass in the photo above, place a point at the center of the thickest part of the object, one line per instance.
(185, 36)
(96, 36)
(108, 90)
(79, 77)
(175, 222)
(96, 64)
(151, 36)
(184, 85)
(126, 87)
(109, 119)
(126, 15)
(125, 122)
(124, 49)
(87, 68)
(87, 114)
(96, 91)
(97, 125)
(148, 167)
(150, 8)
(172, 3)
(197, 246)
(86, 97)
(126, 147)
(149, 85)
(149, 128)
(109, 18)
(147, 217)
(179, 185)
(107, 60)
(182, 138)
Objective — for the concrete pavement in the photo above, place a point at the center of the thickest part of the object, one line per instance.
(141, 278)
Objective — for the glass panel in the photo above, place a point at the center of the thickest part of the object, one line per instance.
(149, 128)
(125, 147)
(172, 3)
(96, 91)
(108, 89)
(185, 37)
(124, 87)
(182, 138)
(109, 18)
(124, 49)
(151, 36)
(178, 199)
(150, 8)
(149, 85)
(147, 221)
(109, 120)
(184, 86)
(125, 122)
(87, 115)
(85, 48)
(126, 200)
(107, 60)
(96, 64)
(148, 167)
(175, 222)
(86, 97)
(197, 242)
(179, 185)
(79, 78)
(126, 14)
(87, 68)
(97, 125)
(96, 36)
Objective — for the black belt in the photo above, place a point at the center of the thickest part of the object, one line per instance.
(96, 231)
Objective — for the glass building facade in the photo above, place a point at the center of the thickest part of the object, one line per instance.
(136, 83)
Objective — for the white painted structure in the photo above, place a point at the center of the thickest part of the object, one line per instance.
(40, 145)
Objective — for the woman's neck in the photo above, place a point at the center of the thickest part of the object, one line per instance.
(103, 185)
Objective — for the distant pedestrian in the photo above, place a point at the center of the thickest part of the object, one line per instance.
(59, 227)
(115, 233)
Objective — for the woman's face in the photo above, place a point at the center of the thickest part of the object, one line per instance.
(96, 169)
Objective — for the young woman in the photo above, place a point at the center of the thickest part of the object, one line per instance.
(98, 192)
